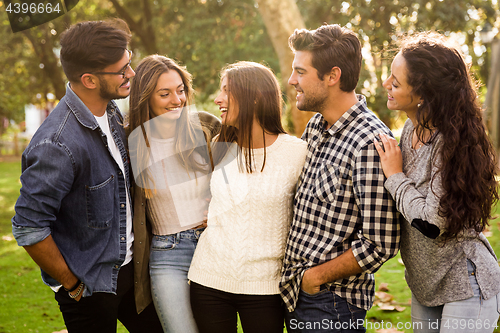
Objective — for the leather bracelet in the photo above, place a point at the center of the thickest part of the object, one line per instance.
(74, 287)
(80, 288)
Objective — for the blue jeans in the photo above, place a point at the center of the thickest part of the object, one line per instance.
(472, 315)
(324, 312)
(168, 266)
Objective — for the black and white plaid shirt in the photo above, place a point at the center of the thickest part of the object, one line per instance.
(341, 203)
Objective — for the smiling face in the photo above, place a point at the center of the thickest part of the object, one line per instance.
(312, 92)
(400, 93)
(168, 97)
(115, 86)
(229, 111)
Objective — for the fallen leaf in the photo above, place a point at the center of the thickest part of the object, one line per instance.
(63, 331)
(401, 261)
(383, 296)
(7, 238)
(400, 308)
(383, 287)
(386, 307)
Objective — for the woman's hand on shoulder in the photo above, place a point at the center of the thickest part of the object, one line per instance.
(390, 154)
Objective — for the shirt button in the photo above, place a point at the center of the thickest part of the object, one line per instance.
(122, 205)
(116, 266)
(123, 238)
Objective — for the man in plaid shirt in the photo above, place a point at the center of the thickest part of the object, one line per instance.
(345, 223)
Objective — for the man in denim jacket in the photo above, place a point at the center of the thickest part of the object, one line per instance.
(74, 216)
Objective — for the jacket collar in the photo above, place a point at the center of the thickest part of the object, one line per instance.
(82, 112)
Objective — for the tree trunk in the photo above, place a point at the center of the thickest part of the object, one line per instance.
(281, 18)
(492, 114)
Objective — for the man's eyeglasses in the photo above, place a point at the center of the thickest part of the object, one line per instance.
(122, 72)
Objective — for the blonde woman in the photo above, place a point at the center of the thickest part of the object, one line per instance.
(172, 166)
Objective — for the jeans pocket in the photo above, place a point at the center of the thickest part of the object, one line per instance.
(471, 270)
(321, 292)
(354, 309)
(357, 315)
(163, 242)
(100, 201)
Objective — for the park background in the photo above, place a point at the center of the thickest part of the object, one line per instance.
(205, 35)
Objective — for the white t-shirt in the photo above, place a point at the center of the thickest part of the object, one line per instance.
(115, 152)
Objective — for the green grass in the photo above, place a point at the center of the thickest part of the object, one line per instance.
(27, 305)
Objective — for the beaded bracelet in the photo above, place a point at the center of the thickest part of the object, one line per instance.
(79, 291)
(74, 287)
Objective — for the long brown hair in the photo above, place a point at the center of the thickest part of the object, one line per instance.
(439, 74)
(187, 129)
(256, 91)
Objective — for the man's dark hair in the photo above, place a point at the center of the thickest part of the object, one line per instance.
(331, 46)
(93, 45)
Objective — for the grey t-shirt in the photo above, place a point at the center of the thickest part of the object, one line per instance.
(436, 271)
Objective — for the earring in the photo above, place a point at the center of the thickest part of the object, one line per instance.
(419, 105)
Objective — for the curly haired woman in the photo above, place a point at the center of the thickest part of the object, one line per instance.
(443, 181)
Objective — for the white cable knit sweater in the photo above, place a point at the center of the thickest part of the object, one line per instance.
(242, 249)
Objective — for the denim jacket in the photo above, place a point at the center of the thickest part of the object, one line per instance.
(73, 189)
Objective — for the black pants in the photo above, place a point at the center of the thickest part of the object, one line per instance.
(99, 313)
(216, 311)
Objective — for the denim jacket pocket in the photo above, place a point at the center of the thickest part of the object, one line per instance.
(330, 182)
(100, 203)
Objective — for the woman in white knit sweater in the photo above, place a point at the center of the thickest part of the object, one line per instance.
(236, 266)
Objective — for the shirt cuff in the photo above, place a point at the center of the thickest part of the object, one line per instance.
(26, 236)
